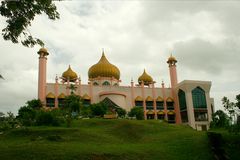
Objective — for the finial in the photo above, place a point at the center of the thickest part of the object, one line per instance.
(79, 78)
(56, 79)
(103, 52)
(162, 82)
(131, 79)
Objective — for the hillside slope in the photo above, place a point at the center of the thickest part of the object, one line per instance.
(100, 139)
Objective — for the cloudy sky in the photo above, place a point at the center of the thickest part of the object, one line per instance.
(203, 36)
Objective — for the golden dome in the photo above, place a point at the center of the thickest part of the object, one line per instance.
(50, 95)
(103, 69)
(171, 59)
(44, 50)
(69, 73)
(147, 79)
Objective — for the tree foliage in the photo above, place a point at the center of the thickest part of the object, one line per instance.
(98, 109)
(73, 103)
(219, 119)
(137, 112)
(20, 14)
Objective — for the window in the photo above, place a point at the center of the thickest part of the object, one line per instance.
(171, 117)
(106, 83)
(160, 105)
(182, 100)
(86, 102)
(149, 104)
(60, 102)
(95, 84)
(50, 102)
(198, 97)
(184, 116)
(139, 103)
(200, 115)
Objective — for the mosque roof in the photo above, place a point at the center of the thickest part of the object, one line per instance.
(103, 69)
(69, 73)
(145, 78)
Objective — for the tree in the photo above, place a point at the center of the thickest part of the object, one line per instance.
(71, 108)
(20, 14)
(98, 109)
(34, 104)
(121, 112)
(73, 103)
(138, 112)
(238, 101)
(231, 107)
(220, 119)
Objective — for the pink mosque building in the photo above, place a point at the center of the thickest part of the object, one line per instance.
(187, 102)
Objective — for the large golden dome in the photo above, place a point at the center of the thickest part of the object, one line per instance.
(69, 73)
(103, 69)
(145, 78)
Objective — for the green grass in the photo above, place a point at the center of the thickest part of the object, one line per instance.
(231, 143)
(99, 139)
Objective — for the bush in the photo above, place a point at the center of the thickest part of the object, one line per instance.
(47, 119)
(121, 112)
(26, 116)
(137, 112)
(98, 109)
(219, 120)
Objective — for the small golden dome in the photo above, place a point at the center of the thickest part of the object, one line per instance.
(103, 69)
(44, 50)
(61, 96)
(147, 79)
(138, 98)
(50, 95)
(159, 99)
(171, 59)
(69, 73)
(86, 97)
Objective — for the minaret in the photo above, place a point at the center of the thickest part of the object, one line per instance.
(173, 77)
(172, 70)
(42, 70)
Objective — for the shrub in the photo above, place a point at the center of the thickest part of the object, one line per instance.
(121, 112)
(98, 109)
(26, 116)
(47, 119)
(138, 112)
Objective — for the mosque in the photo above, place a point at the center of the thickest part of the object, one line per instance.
(186, 102)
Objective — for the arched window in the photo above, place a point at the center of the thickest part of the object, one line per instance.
(170, 103)
(183, 105)
(86, 100)
(199, 98)
(138, 101)
(160, 103)
(106, 83)
(182, 100)
(95, 84)
(61, 99)
(149, 102)
(50, 99)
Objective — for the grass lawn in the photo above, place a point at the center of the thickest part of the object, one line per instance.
(100, 139)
